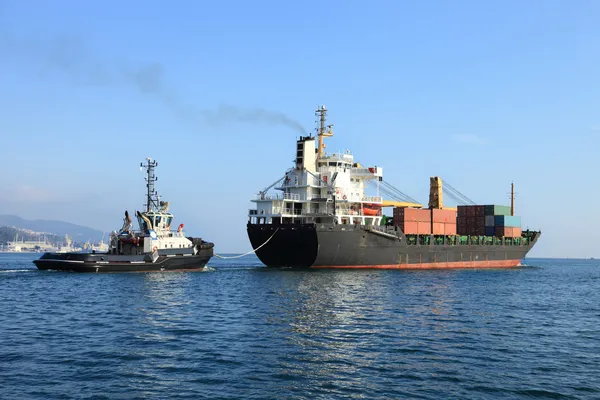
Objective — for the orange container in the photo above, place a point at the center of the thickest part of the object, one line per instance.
(412, 214)
(442, 228)
(415, 228)
(443, 216)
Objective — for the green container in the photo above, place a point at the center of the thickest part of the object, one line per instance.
(497, 210)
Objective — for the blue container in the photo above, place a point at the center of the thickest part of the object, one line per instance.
(489, 231)
(510, 221)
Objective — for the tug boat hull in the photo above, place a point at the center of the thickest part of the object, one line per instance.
(166, 260)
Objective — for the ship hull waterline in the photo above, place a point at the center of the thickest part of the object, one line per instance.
(360, 247)
(103, 263)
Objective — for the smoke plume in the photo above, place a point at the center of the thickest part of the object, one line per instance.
(69, 56)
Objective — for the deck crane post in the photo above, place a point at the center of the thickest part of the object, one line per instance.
(263, 192)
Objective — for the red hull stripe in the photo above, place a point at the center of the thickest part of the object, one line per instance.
(456, 264)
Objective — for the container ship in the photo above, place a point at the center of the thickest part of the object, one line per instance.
(321, 217)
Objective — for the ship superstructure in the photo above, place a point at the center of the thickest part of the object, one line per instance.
(321, 188)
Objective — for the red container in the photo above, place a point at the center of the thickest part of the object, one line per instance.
(415, 228)
(441, 228)
(443, 216)
(414, 214)
(507, 231)
(450, 229)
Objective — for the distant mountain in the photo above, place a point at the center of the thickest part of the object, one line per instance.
(77, 232)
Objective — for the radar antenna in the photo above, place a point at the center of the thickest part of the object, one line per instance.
(323, 130)
(151, 200)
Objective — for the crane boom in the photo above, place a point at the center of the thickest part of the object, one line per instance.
(392, 203)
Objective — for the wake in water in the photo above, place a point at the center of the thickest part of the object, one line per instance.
(16, 270)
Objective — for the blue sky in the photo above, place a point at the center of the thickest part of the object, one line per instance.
(479, 93)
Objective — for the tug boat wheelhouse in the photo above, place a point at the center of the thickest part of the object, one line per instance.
(153, 247)
(323, 219)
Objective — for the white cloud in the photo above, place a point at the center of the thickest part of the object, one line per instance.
(468, 138)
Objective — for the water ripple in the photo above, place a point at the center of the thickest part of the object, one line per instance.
(242, 331)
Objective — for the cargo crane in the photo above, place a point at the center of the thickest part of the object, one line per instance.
(436, 191)
(400, 199)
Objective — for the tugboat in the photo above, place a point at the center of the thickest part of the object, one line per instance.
(154, 247)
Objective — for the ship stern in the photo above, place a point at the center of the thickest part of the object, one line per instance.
(285, 245)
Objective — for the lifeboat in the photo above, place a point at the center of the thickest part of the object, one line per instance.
(370, 209)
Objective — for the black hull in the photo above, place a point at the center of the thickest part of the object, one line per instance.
(103, 262)
(349, 246)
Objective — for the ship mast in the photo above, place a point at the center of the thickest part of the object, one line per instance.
(512, 198)
(322, 113)
(150, 179)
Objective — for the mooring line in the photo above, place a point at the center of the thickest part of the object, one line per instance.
(250, 252)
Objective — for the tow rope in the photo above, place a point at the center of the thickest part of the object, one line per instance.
(251, 251)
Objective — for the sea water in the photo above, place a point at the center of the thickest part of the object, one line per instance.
(239, 330)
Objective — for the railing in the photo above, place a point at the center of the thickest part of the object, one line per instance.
(373, 199)
(355, 213)
(362, 171)
(285, 211)
(285, 196)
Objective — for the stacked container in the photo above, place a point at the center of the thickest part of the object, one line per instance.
(443, 221)
(488, 220)
(507, 226)
(470, 220)
(413, 221)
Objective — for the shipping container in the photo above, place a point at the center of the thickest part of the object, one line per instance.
(478, 231)
(507, 231)
(490, 231)
(479, 210)
(414, 214)
(449, 229)
(467, 211)
(490, 221)
(446, 216)
(415, 228)
(507, 220)
(440, 228)
(476, 221)
(471, 230)
(516, 232)
(497, 210)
